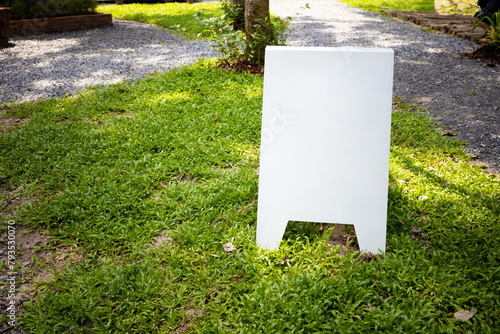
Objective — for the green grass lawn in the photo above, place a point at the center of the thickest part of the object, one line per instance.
(178, 17)
(463, 7)
(183, 163)
(376, 5)
(176, 155)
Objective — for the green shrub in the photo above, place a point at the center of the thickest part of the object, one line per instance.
(235, 13)
(50, 8)
(229, 42)
(493, 34)
(39, 10)
(78, 6)
(18, 8)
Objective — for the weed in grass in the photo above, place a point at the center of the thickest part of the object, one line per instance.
(185, 166)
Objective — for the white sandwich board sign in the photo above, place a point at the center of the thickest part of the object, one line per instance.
(326, 125)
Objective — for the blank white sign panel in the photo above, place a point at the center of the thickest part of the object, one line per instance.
(326, 125)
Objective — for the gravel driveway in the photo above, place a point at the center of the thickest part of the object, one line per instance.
(462, 95)
(49, 65)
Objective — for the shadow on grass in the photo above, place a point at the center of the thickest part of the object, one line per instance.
(116, 185)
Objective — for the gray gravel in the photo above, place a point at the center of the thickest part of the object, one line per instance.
(462, 95)
(50, 65)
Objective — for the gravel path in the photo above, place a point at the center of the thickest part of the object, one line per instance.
(462, 95)
(50, 65)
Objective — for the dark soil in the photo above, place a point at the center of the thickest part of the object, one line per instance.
(486, 53)
(240, 66)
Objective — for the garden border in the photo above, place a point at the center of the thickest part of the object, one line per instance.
(46, 25)
(450, 24)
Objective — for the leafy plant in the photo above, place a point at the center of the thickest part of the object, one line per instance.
(77, 6)
(51, 8)
(235, 14)
(256, 48)
(38, 10)
(229, 42)
(493, 32)
(18, 8)
(233, 45)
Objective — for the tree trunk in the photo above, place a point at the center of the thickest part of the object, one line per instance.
(4, 27)
(189, 1)
(119, 2)
(257, 12)
(239, 22)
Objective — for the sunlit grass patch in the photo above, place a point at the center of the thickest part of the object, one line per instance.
(376, 5)
(176, 16)
(463, 7)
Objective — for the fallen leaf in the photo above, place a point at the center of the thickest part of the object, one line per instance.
(284, 260)
(214, 255)
(229, 247)
(448, 134)
(464, 315)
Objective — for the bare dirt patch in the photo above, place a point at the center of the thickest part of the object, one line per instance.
(8, 124)
(240, 66)
(124, 115)
(163, 238)
(35, 260)
(486, 53)
(189, 319)
(187, 177)
(343, 236)
(12, 197)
